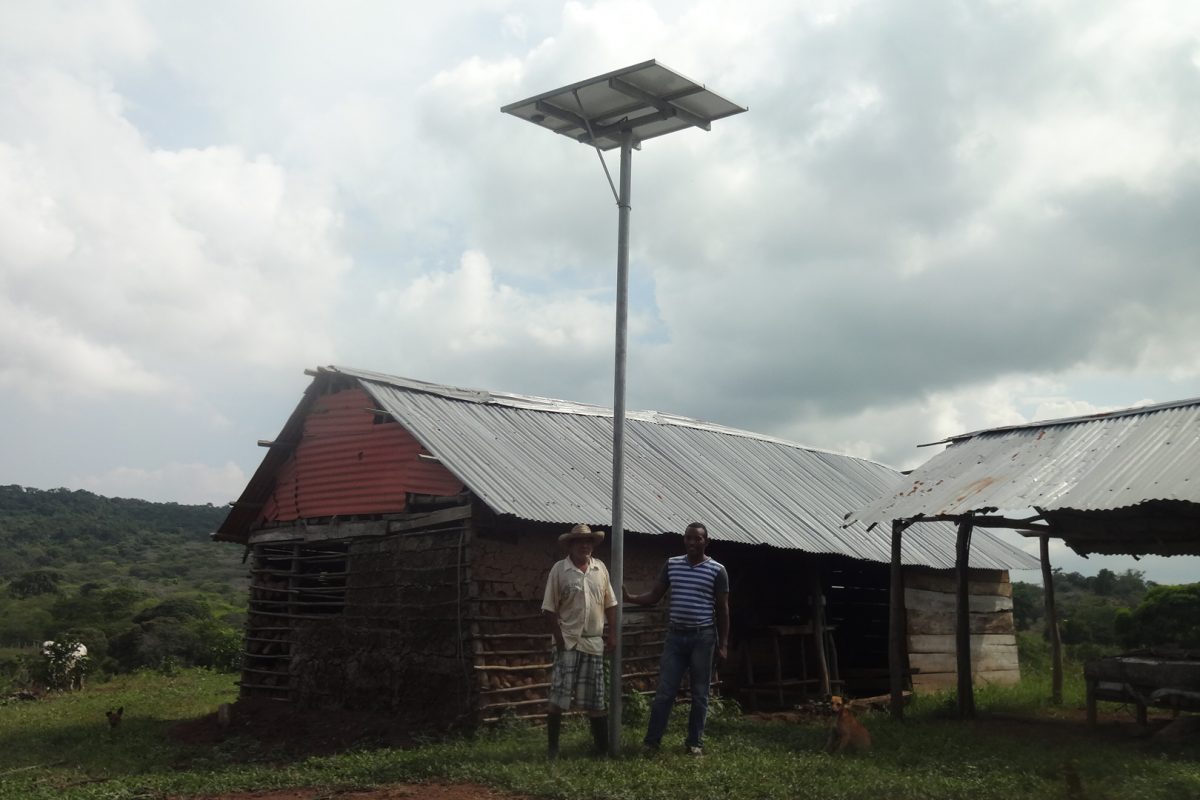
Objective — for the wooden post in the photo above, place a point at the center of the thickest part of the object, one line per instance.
(778, 665)
(897, 638)
(293, 595)
(818, 628)
(1056, 664)
(962, 639)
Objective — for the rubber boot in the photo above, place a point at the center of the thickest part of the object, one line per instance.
(599, 735)
(553, 728)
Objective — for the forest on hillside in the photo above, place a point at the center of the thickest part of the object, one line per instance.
(1111, 612)
(139, 583)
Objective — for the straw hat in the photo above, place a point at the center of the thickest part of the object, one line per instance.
(581, 531)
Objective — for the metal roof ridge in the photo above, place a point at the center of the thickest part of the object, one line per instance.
(556, 406)
(1101, 416)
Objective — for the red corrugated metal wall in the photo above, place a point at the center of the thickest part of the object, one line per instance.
(347, 463)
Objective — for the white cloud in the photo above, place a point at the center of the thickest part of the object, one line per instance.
(77, 35)
(39, 357)
(467, 325)
(178, 482)
(118, 260)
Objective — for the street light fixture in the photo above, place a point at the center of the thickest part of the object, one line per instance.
(622, 109)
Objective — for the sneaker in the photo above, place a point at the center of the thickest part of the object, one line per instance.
(649, 750)
(694, 750)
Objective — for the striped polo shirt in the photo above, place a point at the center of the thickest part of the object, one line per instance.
(694, 589)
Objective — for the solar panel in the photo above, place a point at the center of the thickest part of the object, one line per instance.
(648, 98)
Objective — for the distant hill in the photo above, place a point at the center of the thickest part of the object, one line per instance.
(84, 537)
(139, 583)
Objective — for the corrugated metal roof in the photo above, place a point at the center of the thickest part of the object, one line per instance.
(1103, 463)
(551, 461)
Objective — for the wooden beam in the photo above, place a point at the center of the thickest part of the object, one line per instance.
(1032, 524)
(429, 518)
(817, 598)
(966, 690)
(1056, 662)
(897, 633)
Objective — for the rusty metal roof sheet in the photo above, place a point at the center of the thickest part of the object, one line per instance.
(1100, 463)
(551, 461)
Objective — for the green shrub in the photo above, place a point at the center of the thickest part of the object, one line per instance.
(635, 708)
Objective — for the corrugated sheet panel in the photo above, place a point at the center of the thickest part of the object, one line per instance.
(350, 461)
(1094, 465)
(550, 461)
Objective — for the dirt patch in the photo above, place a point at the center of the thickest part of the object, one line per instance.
(279, 729)
(424, 791)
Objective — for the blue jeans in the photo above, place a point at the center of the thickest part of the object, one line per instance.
(683, 651)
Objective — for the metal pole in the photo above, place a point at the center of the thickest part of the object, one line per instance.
(618, 482)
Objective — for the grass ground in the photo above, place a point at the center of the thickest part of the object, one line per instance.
(61, 748)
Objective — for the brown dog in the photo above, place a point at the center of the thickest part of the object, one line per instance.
(114, 717)
(847, 732)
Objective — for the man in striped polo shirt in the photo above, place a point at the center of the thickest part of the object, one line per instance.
(699, 597)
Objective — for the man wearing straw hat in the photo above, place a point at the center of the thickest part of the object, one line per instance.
(579, 600)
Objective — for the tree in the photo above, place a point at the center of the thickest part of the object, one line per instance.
(1105, 583)
(1028, 605)
(1168, 617)
(32, 584)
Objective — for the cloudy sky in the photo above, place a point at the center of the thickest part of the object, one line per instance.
(935, 217)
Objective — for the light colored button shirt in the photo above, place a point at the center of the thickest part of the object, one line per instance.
(579, 597)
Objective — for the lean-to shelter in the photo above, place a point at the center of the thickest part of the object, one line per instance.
(1121, 482)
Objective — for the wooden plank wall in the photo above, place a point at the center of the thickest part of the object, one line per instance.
(929, 598)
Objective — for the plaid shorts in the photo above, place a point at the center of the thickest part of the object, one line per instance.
(578, 674)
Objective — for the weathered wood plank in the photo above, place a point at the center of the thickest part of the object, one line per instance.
(1155, 672)
(938, 681)
(982, 581)
(275, 535)
(350, 529)
(942, 643)
(429, 518)
(985, 661)
(925, 621)
(943, 601)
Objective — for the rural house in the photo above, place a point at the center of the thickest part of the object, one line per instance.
(399, 534)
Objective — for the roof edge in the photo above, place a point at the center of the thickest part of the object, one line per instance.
(555, 406)
(1129, 411)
